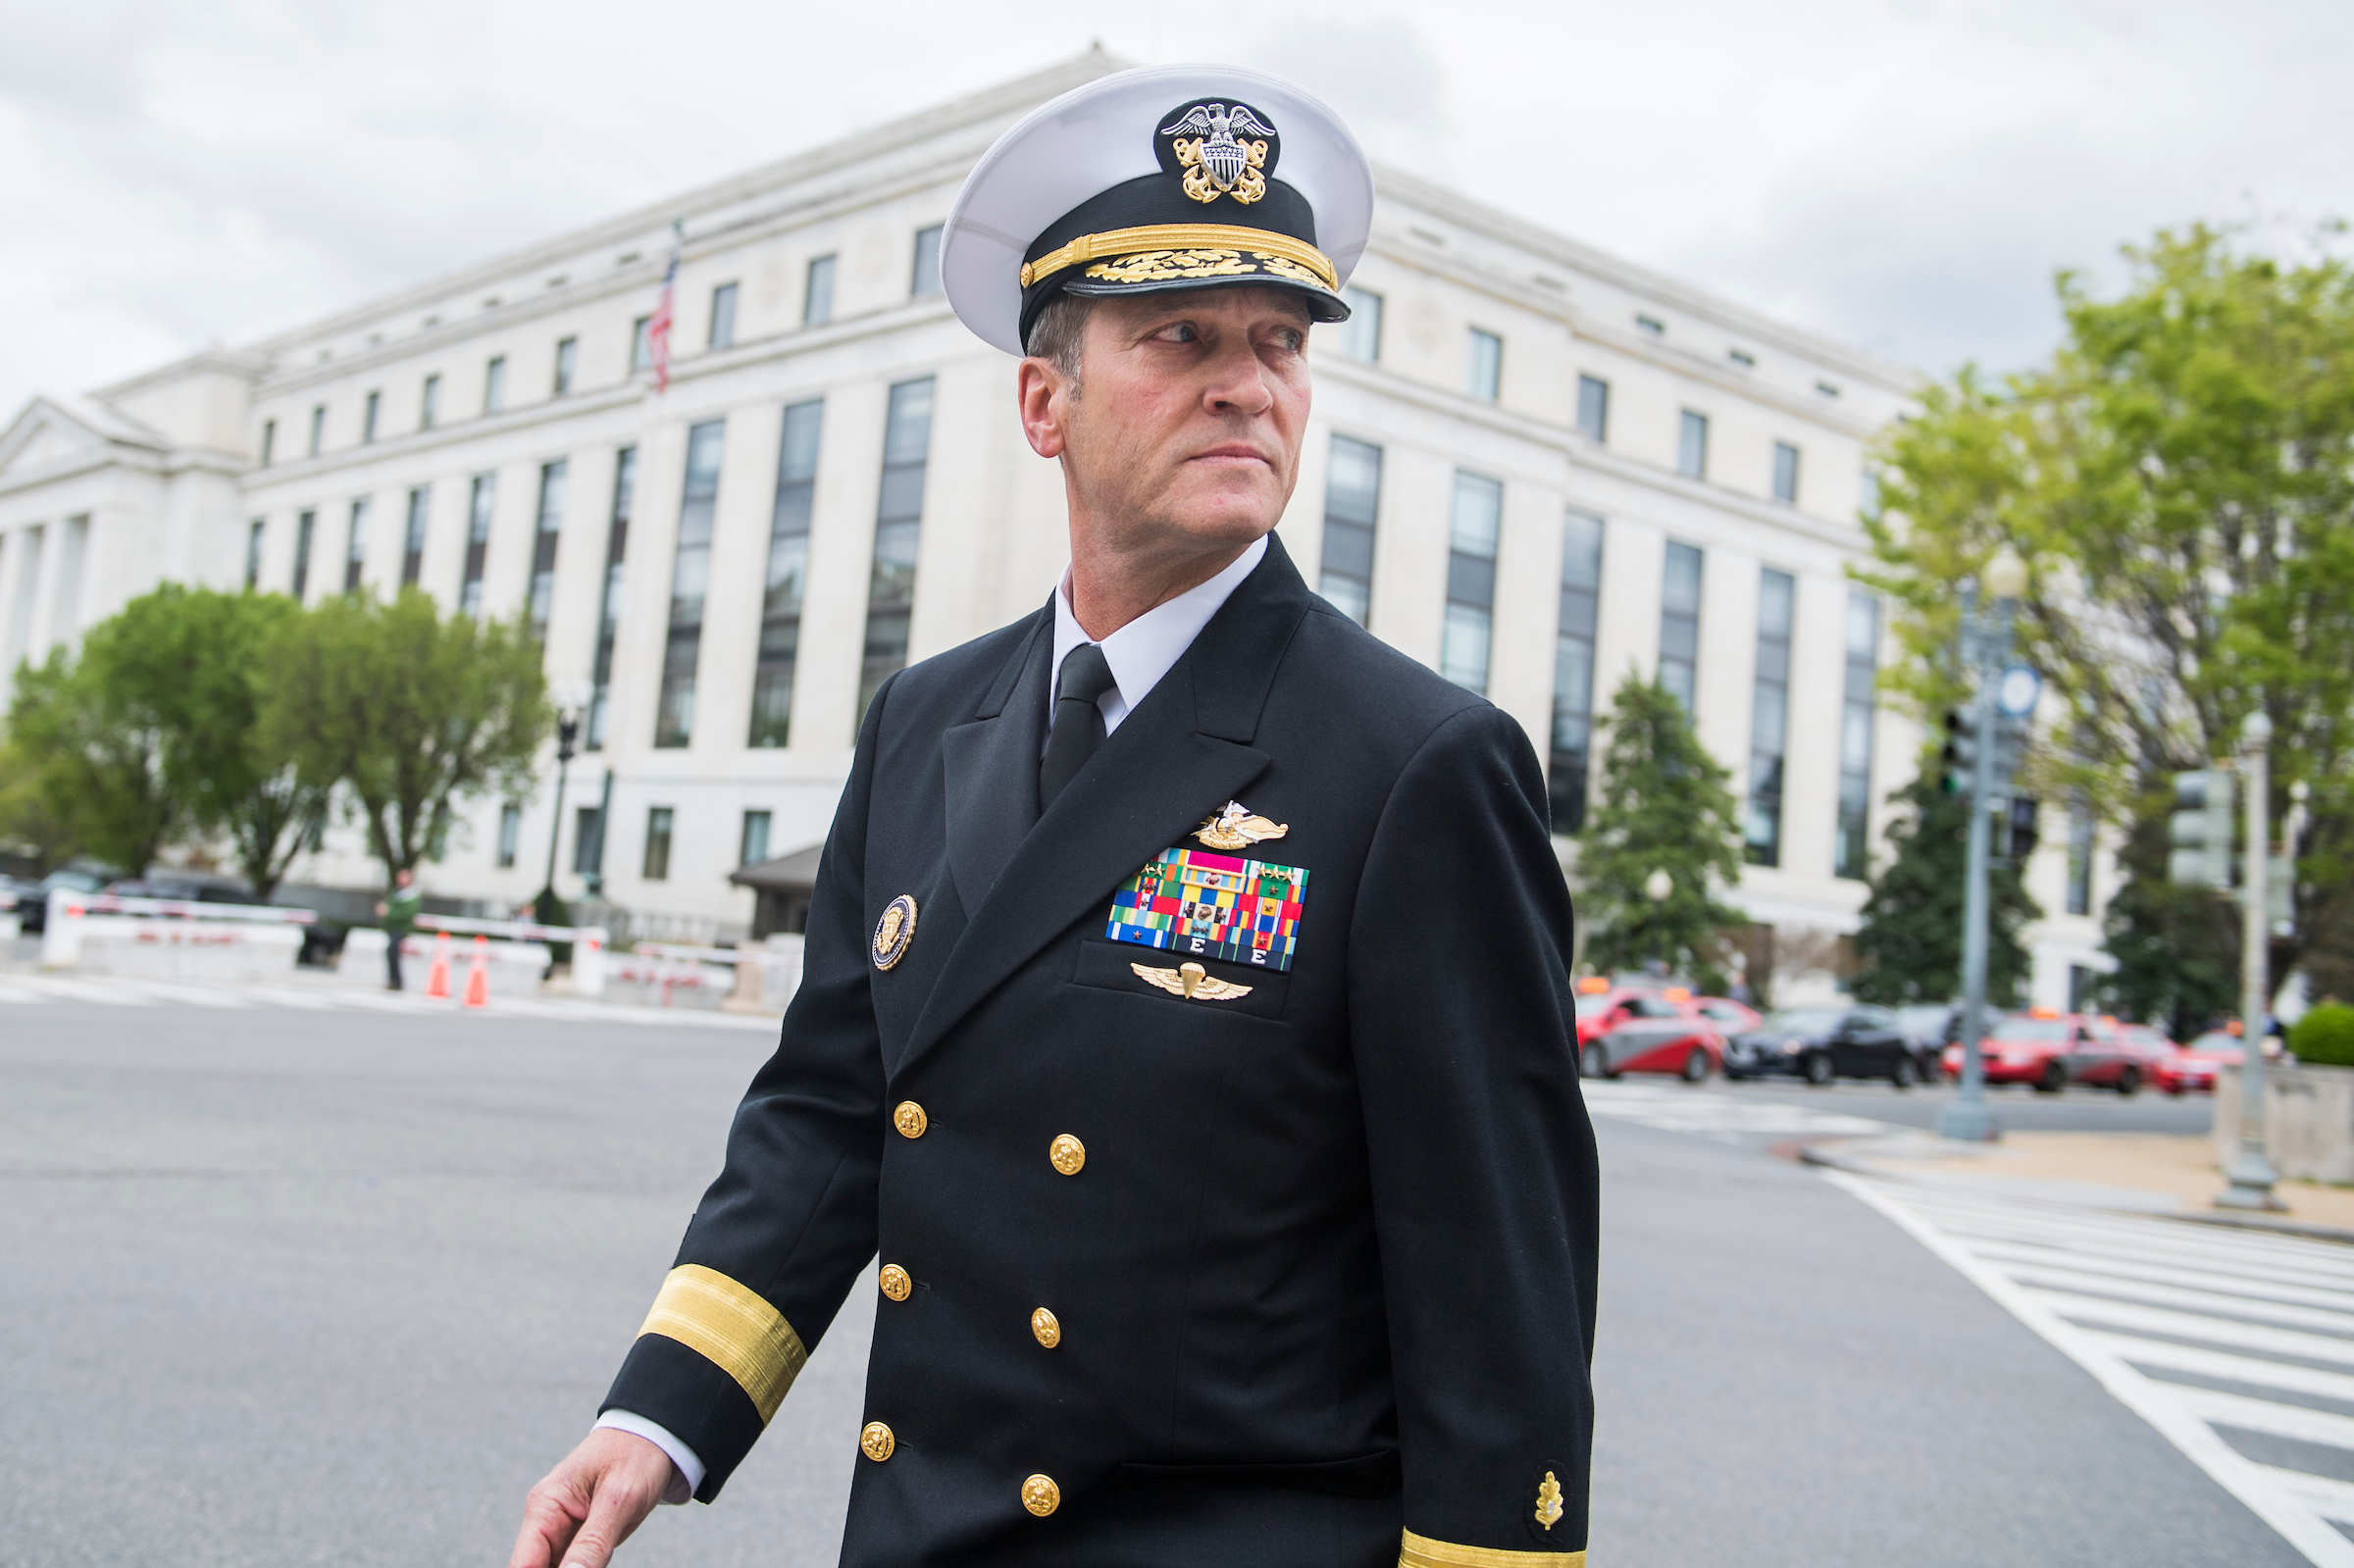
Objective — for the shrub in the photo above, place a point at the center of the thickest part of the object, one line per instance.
(2326, 1036)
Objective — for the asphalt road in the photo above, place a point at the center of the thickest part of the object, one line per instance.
(289, 1288)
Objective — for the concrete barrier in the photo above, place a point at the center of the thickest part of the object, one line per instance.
(171, 938)
(2308, 1119)
(515, 967)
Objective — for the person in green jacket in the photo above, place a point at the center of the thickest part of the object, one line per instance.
(399, 915)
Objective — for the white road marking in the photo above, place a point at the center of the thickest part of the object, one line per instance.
(35, 989)
(1983, 1237)
(1679, 1108)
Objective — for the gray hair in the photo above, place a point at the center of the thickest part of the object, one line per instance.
(1060, 333)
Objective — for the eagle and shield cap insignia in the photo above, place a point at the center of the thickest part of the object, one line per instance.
(1219, 149)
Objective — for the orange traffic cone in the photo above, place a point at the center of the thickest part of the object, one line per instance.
(478, 978)
(437, 977)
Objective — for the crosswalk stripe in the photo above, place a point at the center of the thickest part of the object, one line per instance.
(2177, 1297)
(35, 989)
(2204, 1279)
(1980, 1238)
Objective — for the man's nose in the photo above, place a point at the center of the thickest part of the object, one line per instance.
(1240, 383)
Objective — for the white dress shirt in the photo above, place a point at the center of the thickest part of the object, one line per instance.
(1138, 653)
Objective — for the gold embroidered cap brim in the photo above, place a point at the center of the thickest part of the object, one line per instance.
(1149, 248)
(733, 1327)
(1420, 1551)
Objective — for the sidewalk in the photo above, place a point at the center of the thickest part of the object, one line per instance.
(2138, 1173)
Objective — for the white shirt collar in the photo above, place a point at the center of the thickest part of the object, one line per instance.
(1141, 652)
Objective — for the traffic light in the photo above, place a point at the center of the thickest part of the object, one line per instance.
(2199, 832)
(2024, 833)
(1958, 758)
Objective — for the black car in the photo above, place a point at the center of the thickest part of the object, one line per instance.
(1821, 1043)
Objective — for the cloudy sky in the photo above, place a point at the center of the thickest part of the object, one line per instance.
(1906, 174)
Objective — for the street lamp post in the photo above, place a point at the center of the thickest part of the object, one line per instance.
(1970, 1118)
(568, 731)
(2252, 1175)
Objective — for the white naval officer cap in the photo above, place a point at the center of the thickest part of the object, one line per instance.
(1164, 177)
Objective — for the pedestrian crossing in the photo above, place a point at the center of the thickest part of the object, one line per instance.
(296, 995)
(1725, 1115)
(2238, 1347)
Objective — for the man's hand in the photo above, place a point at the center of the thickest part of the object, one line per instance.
(591, 1502)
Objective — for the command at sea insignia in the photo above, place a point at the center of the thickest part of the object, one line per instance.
(1305, 1195)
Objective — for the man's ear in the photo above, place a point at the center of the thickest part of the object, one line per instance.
(1041, 397)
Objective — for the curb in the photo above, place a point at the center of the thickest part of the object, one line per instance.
(2304, 1230)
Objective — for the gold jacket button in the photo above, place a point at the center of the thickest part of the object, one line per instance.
(876, 1442)
(1043, 1324)
(1067, 1153)
(1040, 1496)
(895, 1281)
(910, 1119)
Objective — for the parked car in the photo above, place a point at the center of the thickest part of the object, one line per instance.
(1929, 1025)
(2051, 1050)
(1687, 1046)
(2193, 1068)
(1822, 1044)
(32, 905)
(1600, 1011)
(1730, 1017)
(193, 886)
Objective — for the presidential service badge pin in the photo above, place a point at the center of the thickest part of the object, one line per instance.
(1236, 828)
(894, 930)
(1208, 906)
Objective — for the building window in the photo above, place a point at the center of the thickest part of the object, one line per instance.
(253, 553)
(1769, 719)
(899, 520)
(568, 364)
(1679, 623)
(752, 847)
(690, 578)
(588, 842)
(318, 428)
(658, 844)
(429, 403)
(1472, 525)
(269, 440)
(1574, 669)
(1594, 409)
(1868, 496)
(368, 415)
(1692, 446)
(642, 344)
(2080, 858)
(609, 610)
(494, 385)
(1785, 472)
(1852, 854)
(926, 281)
(554, 479)
(1360, 333)
(1652, 325)
(478, 500)
(304, 526)
(356, 546)
(817, 303)
(510, 829)
(788, 576)
(723, 316)
(1352, 498)
(412, 544)
(1483, 370)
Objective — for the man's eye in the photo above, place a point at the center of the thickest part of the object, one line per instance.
(1180, 333)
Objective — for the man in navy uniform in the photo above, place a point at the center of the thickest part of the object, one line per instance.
(1186, 1031)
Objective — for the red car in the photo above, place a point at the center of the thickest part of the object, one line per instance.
(1631, 1028)
(1603, 1007)
(1730, 1017)
(2052, 1050)
(2193, 1066)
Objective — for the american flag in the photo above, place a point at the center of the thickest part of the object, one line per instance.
(657, 326)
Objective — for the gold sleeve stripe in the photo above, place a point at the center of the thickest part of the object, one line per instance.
(1420, 1551)
(1180, 236)
(733, 1328)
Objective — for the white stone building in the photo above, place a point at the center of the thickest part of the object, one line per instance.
(1531, 465)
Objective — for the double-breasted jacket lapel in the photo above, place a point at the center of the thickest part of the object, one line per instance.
(1182, 753)
(991, 768)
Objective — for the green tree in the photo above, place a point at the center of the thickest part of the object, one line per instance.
(1663, 804)
(2177, 476)
(1908, 947)
(2176, 948)
(412, 714)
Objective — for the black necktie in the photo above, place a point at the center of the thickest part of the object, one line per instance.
(1078, 723)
